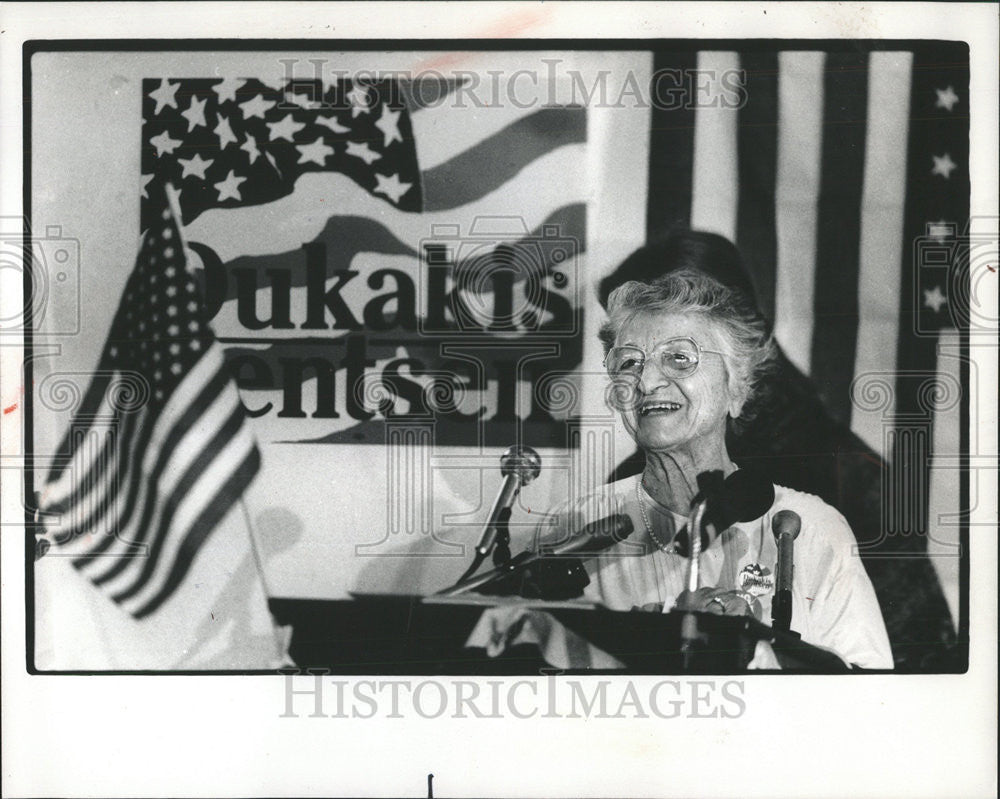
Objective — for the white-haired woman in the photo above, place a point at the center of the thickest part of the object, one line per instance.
(684, 354)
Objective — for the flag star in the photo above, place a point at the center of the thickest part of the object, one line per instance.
(164, 144)
(391, 187)
(164, 95)
(256, 107)
(227, 89)
(943, 166)
(145, 183)
(225, 133)
(193, 166)
(195, 344)
(302, 101)
(195, 114)
(317, 152)
(250, 147)
(285, 129)
(362, 151)
(940, 231)
(388, 123)
(229, 189)
(193, 326)
(934, 299)
(946, 98)
(332, 124)
(175, 368)
(360, 104)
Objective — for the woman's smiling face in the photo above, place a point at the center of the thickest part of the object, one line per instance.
(668, 413)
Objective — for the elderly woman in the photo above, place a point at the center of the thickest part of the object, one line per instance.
(684, 354)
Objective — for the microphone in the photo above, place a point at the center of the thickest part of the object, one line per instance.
(593, 538)
(746, 495)
(547, 564)
(519, 466)
(785, 525)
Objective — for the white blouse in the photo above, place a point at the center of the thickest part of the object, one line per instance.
(833, 602)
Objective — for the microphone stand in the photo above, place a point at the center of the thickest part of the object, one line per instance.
(519, 465)
(710, 486)
(501, 548)
(689, 622)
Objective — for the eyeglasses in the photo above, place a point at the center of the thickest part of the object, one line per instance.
(676, 357)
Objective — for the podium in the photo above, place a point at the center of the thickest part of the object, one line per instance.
(394, 635)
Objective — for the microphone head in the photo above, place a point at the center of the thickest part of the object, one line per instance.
(786, 522)
(749, 494)
(522, 461)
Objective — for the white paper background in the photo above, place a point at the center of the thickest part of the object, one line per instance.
(222, 736)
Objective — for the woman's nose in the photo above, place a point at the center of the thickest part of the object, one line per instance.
(651, 377)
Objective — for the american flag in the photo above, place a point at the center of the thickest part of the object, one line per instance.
(844, 179)
(159, 449)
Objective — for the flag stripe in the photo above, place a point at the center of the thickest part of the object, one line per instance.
(757, 145)
(671, 142)
(89, 406)
(715, 189)
(485, 167)
(438, 139)
(882, 230)
(210, 517)
(152, 442)
(836, 290)
(103, 481)
(178, 451)
(800, 138)
(183, 488)
(185, 514)
(96, 461)
(944, 542)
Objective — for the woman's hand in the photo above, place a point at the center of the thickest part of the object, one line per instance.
(720, 601)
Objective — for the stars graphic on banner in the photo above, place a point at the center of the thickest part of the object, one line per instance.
(243, 141)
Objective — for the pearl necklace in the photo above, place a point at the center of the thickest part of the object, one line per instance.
(669, 548)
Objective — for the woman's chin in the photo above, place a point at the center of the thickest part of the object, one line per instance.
(658, 436)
